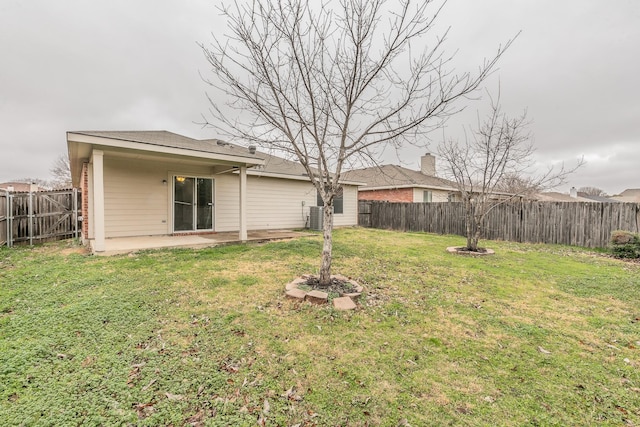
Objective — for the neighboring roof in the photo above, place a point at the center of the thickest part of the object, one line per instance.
(553, 196)
(631, 195)
(393, 176)
(18, 186)
(631, 192)
(601, 199)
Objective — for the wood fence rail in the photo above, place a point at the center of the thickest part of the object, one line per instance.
(567, 223)
(36, 217)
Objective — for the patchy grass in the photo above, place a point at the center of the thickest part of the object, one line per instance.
(535, 335)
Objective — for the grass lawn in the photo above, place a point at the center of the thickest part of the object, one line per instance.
(534, 335)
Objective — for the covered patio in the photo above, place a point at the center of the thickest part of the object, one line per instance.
(156, 183)
(123, 245)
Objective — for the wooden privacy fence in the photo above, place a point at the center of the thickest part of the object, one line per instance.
(568, 223)
(37, 217)
(4, 222)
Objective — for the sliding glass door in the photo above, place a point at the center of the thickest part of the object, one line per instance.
(192, 203)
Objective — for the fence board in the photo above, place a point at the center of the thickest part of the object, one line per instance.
(4, 220)
(40, 216)
(580, 224)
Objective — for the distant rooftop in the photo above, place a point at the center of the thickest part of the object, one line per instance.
(393, 176)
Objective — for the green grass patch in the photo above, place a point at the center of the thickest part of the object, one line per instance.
(535, 335)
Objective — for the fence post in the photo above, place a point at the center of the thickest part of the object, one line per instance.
(30, 218)
(9, 220)
(6, 217)
(75, 213)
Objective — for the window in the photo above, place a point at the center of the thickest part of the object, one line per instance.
(338, 202)
(192, 203)
(427, 196)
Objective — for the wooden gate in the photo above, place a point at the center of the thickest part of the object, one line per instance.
(37, 217)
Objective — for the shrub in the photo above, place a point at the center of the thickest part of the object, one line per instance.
(625, 244)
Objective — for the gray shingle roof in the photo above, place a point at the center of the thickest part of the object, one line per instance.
(163, 138)
(393, 176)
(273, 164)
(278, 165)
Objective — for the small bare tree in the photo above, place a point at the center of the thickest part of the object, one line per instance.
(493, 167)
(331, 84)
(592, 191)
(61, 172)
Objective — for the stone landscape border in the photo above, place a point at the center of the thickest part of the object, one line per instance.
(459, 250)
(346, 301)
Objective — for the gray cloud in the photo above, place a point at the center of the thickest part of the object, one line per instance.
(72, 64)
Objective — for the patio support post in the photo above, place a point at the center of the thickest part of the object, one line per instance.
(243, 204)
(98, 200)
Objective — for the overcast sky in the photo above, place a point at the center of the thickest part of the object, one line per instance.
(134, 65)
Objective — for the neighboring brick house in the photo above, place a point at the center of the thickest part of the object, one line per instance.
(392, 183)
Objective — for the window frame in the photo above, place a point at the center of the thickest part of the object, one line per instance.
(338, 201)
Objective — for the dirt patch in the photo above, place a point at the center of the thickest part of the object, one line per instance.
(81, 250)
(462, 250)
(337, 285)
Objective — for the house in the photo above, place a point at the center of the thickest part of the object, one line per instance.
(20, 187)
(630, 195)
(158, 183)
(554, 196)
(394, 183)
(574, 196)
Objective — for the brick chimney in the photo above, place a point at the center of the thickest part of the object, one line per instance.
(428, 164)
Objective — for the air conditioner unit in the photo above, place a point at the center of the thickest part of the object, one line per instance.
(315, 217)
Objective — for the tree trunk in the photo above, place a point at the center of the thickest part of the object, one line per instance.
(468, 222)
(476, 235)
(327, 229)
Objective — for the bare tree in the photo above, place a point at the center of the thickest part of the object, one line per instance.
(524, 186)
(493, 167)
(592, 191)
(332, 84)
(61, 173)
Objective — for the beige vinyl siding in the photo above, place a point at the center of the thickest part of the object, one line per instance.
(436, 195)
(274, 203)
(350, 208)
(137, 202)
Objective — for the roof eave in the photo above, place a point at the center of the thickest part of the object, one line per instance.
(81, 145)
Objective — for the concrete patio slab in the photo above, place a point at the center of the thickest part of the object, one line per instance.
(123, 245)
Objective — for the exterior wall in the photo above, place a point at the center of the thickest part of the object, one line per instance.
(350, 208)
(139, 203)
(436, 195)
(404, 195)
(274, 203)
